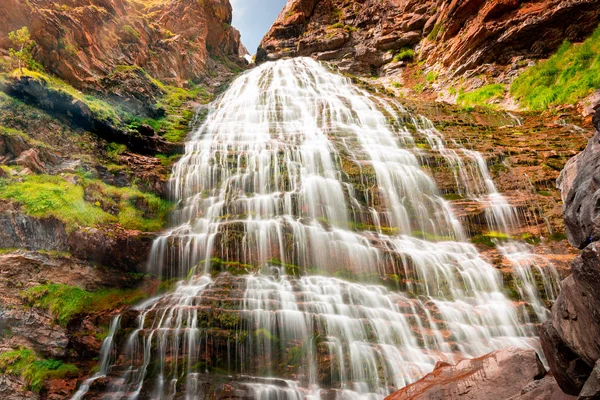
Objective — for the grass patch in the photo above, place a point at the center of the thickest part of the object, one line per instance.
(87, 203)
(481, 96)
(431, 76)
(65, 301)
(34, 371)
(405, 54)
(565, 78)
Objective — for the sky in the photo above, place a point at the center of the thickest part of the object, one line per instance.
(253, 18)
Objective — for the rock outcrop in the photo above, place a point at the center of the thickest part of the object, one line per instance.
(82, 41)
(570, 338)
(579, 184)
(460, 35)
(510, 373)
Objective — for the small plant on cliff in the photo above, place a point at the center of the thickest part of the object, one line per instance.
(23, 45)
(24, 363)
(405, 54)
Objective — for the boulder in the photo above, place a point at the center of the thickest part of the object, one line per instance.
(570, 338)
(503, 374)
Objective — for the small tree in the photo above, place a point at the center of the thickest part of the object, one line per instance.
(22, 41)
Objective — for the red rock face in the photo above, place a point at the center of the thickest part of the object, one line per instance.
(512, 373)
(459, 34)
(84, 40)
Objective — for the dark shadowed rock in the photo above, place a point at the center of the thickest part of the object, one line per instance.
(591, 389)
(580, 186)
(570, 339)
(569, 370)
(503, 374)
(60, 104)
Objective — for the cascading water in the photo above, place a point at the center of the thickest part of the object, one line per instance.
(351, 276)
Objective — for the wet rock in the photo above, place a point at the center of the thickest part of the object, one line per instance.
(503, 374)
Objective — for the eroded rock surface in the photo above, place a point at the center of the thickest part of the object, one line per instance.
(82, 40)
(460, 35)
(510, 373)
(570, 338)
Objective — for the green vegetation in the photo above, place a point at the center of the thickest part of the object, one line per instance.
(65, 301)
(405, 54)
(24, 363)
(175, 125)
(437, 29)
(481, 96)
(89, 203)
(490, 238)
(567, 77)
(431, 76)
(22, 41)
(99, 107)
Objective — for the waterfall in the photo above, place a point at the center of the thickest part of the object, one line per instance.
(348, 274)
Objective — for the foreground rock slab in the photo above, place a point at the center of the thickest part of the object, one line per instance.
(511, 373)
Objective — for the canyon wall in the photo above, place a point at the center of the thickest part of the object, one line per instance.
(459, 36)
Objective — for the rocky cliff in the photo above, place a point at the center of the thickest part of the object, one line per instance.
(83, 41)
(456, 38)
(88, 132)
(570, 338)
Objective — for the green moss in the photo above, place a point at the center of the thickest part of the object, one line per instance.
(431, 237)
(565, 78)
(490, 238)
(405, 54)
(99, 107)
(64, 302)
(437, 29)
(531, 239)
(24, 363)
(130, 31)
(53, 196)
(558, 236)
(481, 96)
(113, 150)
(5, 131)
